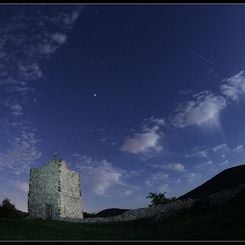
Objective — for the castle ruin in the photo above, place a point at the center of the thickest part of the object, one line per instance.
(54, 192)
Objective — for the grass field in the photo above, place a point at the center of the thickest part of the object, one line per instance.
(223, 222)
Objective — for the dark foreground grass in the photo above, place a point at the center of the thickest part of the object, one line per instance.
(223, 222)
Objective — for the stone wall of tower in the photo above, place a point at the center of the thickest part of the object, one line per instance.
(71, 205)
(54, 192)
(43, 192)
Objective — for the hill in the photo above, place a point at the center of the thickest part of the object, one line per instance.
(226, 179)
(111, 212)
(14, 214)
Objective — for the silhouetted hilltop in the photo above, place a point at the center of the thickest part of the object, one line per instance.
(88, 215)
(226, 179)
(111, 212)
(14, 214)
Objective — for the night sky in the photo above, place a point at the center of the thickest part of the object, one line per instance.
(136, 98)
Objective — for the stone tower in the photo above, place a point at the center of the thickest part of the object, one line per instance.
(54, 192)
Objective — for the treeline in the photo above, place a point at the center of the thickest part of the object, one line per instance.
(8, 210)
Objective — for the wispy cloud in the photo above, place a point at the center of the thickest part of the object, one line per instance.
(22, 51)
(234, 86)
(21, 185)
(156, 178)
(205, 152)
(198, 153)
(27, 38)
(59, 38)
(16, 110)
(142, 142)
(216, 157)
(179, 167)
(205, 165)
(191, 176)
(204, 108)
(185, 92)
(104, 177)
(220, 148)
(147, 140)
(23, 151)
(153, 121)
(239, 148)
(101, 177)
(171, 184)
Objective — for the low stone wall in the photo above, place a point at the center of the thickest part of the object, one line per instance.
(156, 210)
(164, 210)
(134, 214)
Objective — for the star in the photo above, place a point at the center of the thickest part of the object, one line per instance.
(95, 95)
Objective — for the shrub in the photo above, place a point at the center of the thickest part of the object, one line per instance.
(159, 198)
(8, 210)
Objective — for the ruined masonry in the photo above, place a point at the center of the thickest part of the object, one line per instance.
(54, 192)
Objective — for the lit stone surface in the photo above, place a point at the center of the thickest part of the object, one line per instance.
(54, 192)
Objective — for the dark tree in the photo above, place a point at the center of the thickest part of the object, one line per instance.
(7, 205)
(159, 198)
(7, 209)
